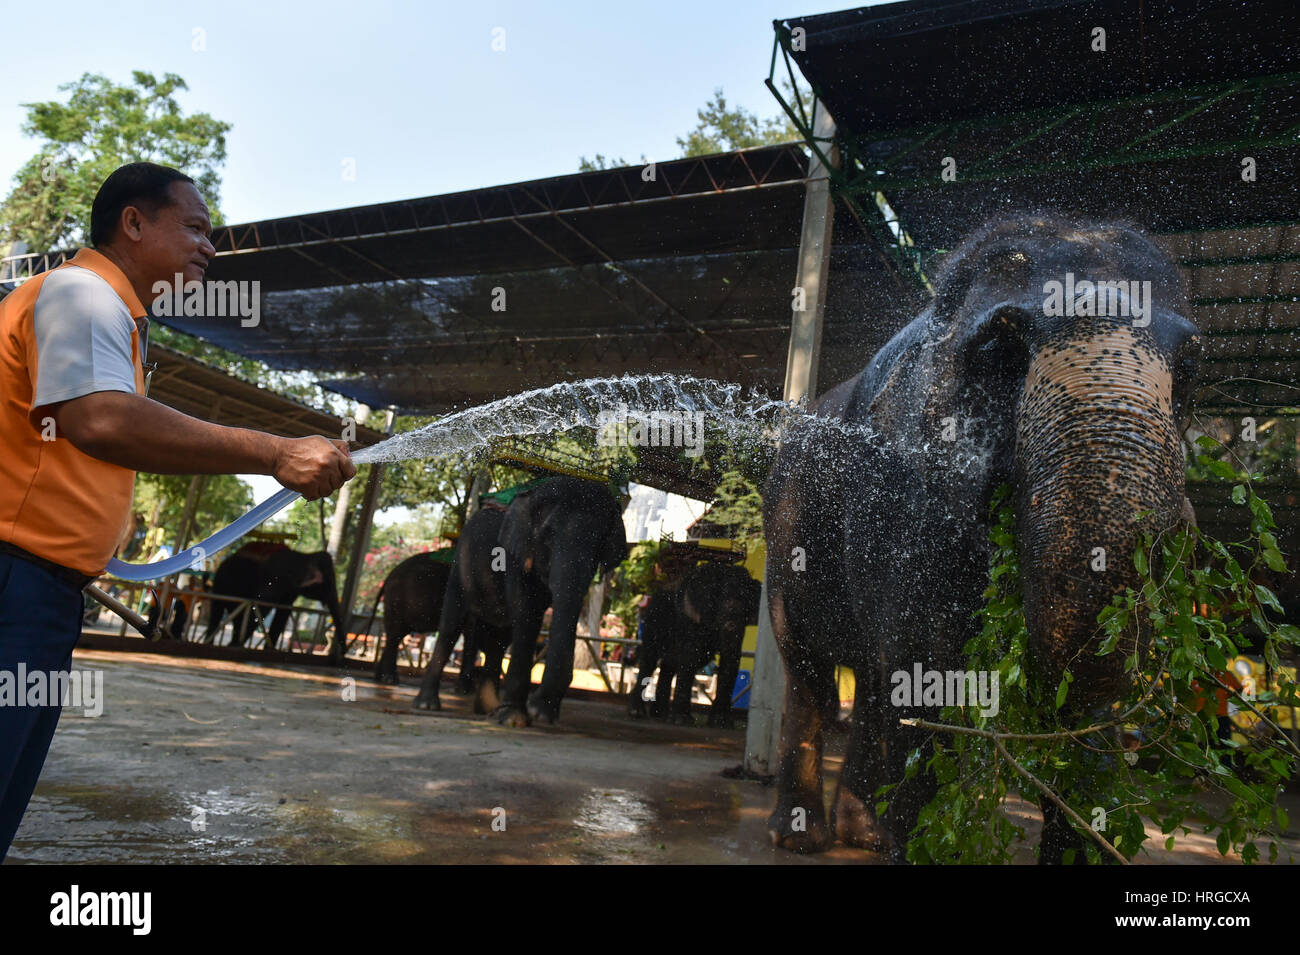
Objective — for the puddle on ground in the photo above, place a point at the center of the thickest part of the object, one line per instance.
(613, 812)
(80, 825)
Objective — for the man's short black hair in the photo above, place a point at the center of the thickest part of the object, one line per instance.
(141, 184)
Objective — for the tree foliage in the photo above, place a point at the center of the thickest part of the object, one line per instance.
(721, 129)
(99, 127)
(224, 498)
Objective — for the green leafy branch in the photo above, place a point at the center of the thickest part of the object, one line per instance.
(1161, 750)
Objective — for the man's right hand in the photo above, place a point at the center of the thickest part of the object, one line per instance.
(315, 467)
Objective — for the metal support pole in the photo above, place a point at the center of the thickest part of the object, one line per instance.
(767, 688)
(341, 505)
(478, 484)
(122, 610)
(361, 539)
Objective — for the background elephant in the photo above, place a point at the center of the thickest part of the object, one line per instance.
(275, 575)
(683, 626)
(412, 595)
(474, 604)
(1081, 414)
(543, 551)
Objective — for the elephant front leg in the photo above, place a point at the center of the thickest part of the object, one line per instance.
(853, 816)
(659, 709)
(1059, 837)
(386, 662)
(636, 698)
(728, 670)
(275, 627)
(468, 680)
(525, 624)
(544, 701)
(798, 822)
(428, 698)
(487, 692)
(681, 713)
(884, 748)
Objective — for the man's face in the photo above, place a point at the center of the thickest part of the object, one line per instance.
(177, 240)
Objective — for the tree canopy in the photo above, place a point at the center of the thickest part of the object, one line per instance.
(102, 126)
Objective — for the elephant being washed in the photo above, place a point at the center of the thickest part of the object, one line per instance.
(542, 551)
(279, 575)
(887, 488)
(412, 595)
(683, 626)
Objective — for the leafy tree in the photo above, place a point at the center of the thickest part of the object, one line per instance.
(102, 126)
(160, 498)
(637, 576)
(603, 162)
(722, 129)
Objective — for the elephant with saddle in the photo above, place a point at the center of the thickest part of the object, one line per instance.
(877, 507)
(542, 551)
(273, 573)
(412, 594)
(682, 627)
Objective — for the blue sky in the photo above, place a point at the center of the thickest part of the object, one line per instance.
(413, 92)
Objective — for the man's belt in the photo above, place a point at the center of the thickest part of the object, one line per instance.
(66, 574)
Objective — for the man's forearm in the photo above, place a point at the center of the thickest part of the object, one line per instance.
(138, 433)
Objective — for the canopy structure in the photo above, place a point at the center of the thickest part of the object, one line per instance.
(1156, 128)
(198, 389)
(434, 303)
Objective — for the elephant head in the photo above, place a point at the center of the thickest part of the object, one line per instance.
(568, 519)
(1064, 356)
(289, 574)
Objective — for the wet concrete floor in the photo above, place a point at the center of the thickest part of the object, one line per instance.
(203, 761)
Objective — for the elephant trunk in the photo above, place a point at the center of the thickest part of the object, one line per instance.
(1096, 445)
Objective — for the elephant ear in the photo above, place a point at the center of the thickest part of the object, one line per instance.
(689, 610)
(518, 534)
(614, 547)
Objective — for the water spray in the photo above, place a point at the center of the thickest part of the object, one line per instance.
(559, 407)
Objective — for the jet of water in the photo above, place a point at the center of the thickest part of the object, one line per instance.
(569, 405)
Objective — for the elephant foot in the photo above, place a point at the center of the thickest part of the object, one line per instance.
(487, 700)
(467, 682)
(427, 703)
(682, 719)
(389, 678)
(541, 708)
(800, 826)
(512, 716)
(855, 824)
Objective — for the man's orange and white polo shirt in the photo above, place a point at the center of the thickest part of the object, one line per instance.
(64, 334)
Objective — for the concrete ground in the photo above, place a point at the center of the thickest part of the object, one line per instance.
(202, 761)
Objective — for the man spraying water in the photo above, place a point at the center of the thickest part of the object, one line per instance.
(76, 426)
